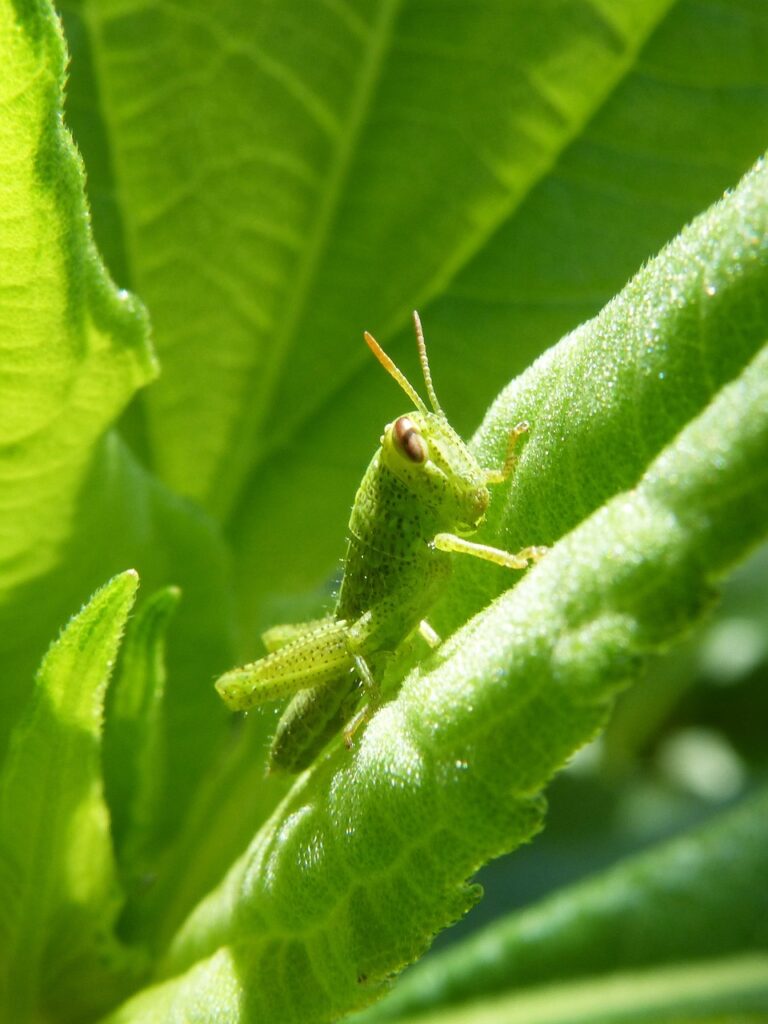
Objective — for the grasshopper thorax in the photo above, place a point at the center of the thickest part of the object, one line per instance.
(426, 454)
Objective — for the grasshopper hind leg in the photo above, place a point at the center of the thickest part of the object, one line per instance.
(311, 720)
(316, 715)
(310, 660)
(279, 636)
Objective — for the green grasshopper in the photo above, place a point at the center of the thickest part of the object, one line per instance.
(422, 492)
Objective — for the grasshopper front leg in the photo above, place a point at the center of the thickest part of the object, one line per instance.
(461, 546)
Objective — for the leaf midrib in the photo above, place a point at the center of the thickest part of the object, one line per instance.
(232, 474)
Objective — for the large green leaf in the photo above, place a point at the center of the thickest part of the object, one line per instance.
(367, 856)
(76, 505)
(302, 159)
(74, 348)
(272, 181)
(274, 176)
(280, 141)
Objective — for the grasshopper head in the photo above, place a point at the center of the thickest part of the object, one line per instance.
(424, 451)
(426, 454)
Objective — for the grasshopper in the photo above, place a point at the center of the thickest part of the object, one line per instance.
(421, 494)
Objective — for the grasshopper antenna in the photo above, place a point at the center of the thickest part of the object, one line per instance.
(393, 371)
(425, 364)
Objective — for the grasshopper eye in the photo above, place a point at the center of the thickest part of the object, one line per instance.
(408, 439)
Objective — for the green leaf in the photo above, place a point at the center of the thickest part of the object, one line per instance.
(689, 899)
(714, 992)
(76, 505)
(366, 858)
(74, 347)
(135, 735)
(273, 181)
(59, 890)
(504, 166)
(361, 114)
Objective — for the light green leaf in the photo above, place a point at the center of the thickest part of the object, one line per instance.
(74, 348)
(76, 505)
(366, 857)
(59, 891)
(688, 899)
